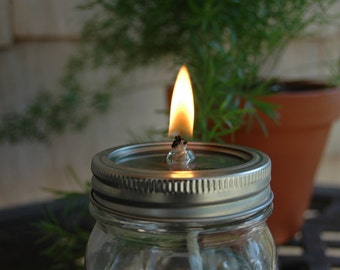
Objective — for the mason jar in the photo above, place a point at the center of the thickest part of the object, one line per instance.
(210, 216)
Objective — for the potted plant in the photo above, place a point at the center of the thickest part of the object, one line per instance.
(225, 44)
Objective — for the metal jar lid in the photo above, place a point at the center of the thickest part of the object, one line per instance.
(227, 181)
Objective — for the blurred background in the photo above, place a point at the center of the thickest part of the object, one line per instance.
(37, 37)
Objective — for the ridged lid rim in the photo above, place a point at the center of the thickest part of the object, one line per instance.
(161, 193)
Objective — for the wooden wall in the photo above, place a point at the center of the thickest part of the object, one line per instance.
(36, 39)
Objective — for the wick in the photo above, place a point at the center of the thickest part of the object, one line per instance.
(180, 157)
(178, 141)
(195, 258)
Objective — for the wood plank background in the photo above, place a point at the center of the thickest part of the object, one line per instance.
(36, 39)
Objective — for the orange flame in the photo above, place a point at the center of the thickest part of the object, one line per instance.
(182, 106)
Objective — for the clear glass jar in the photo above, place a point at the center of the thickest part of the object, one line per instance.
(125, 244)
(203, 219)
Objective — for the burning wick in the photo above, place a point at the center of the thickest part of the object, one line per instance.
(180, 157)
(181, 121)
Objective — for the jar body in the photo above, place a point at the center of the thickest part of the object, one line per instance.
(126, 244)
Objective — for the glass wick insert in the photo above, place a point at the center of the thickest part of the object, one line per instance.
(179, 157)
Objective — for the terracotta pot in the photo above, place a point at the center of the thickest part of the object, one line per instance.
(295, 147)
